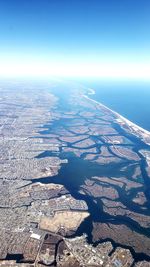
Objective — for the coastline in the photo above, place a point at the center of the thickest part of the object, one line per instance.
(134, 128)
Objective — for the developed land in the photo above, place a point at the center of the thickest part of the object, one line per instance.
(74, 180)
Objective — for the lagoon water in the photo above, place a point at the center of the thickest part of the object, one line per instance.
(130, 99)
(74, 174)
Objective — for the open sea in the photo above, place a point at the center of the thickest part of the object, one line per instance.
(130, 99)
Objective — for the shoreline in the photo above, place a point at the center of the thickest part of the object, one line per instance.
(134, 128)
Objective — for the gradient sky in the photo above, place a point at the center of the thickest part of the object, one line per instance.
(99, 38)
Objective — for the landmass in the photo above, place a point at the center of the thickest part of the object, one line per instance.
(74, 180)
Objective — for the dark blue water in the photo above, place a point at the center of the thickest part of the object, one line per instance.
(130, 99)
(74, 174)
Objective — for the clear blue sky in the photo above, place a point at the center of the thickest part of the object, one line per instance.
(75, 34)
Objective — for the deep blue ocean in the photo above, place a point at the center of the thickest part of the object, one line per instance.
(130, 99)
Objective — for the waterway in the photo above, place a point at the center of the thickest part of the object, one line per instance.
(73, 175)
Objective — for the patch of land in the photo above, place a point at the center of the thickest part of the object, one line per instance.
(68, 220)
(123, 235)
